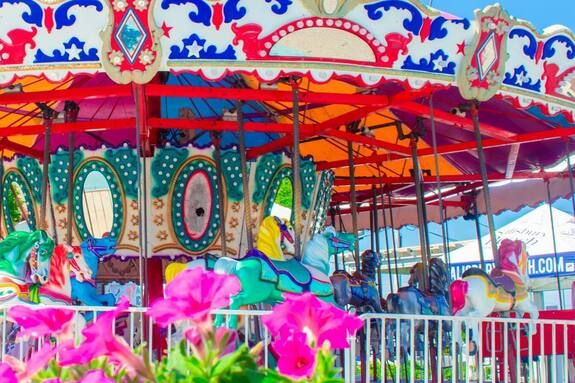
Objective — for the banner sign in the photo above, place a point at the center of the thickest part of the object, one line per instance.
(541, 266)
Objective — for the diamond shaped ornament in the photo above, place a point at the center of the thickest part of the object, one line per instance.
(131, 35)
(487, 56)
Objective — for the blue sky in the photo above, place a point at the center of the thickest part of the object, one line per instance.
(541, 13)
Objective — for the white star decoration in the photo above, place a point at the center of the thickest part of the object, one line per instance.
(195, 49)
(520, 79)
(73, 52)
(439, 64)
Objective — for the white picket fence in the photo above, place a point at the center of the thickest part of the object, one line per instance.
(382, 354)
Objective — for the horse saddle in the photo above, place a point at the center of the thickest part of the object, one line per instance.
(497, 278)
(289, 275)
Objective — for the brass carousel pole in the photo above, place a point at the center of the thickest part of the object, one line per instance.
(296, 169)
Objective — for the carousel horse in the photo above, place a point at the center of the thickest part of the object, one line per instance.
(25, 256)
(413, 300)
(25, 259)
(270, 270)
(505, 290)
(359, 289)
(84, 291)
(206, 263)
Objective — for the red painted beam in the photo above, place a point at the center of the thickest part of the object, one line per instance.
(318, 129)
(73, 94)
(248, 94)
(399, 204)
(219, 125)
(20, 149)
(447, 178)
(77, 127)
(544, 135)
(453, 120)
(389, 146)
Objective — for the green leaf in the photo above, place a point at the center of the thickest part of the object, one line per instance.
(225, 363)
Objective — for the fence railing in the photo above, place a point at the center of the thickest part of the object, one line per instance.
(390, 348)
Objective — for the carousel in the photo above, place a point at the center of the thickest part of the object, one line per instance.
(139, 138)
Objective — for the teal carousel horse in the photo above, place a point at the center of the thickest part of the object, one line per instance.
(271, 270)
(24, 260)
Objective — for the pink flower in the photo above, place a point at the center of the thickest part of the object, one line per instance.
(100, 341)
(7, 374)
(296, 359)
(42, 322)
(223, 339)
(320, 321)
(24, 371)
(95, 376)
(192, 295)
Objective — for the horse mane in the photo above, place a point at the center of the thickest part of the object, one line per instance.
(15, 239)
(58, 261)
(268, 236)
(316, 253)
(508, 247)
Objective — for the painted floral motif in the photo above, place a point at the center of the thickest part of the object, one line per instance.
(116, 58)
(119, 5)
(141, 5)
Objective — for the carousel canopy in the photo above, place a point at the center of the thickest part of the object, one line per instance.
(384, 80)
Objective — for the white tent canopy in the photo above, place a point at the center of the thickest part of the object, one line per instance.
(534, 229)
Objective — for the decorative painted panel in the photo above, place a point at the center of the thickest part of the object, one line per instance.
(392, 40)
(13, 178)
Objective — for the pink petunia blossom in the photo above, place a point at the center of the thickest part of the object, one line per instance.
(319, 320)
(42, 322)
(224, 339)
(7, 374)
(192, 295)
(296, 359)
(37, 362)
(100, 341)
(52, 380)
(96, 376)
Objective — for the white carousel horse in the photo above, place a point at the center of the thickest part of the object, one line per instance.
(505, 290)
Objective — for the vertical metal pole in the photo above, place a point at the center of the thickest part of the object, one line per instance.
(570, 169)
(216, 137)
(48, 116)
(559, 291)
(140, 105)
(376, 229)
(296, 171)
(371, 230)
(70, 207)
(353, 202)
(71, 110)
(423, 239)
(245, 178)
(478, 231)
(484, 179)
(438, 179)
(388, 253)
(393, 238)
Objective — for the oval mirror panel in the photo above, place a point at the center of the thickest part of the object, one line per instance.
(17, 208)
(283, 201)
(198, 204)
(98, 205)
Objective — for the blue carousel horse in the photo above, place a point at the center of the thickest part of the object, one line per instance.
(359, 289)
(412, 300)
(93, 249)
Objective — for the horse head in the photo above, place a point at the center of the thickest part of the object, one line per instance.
(39, 257)
(370, 261)
(513, 258)
(79, 268)
(276, 239)
(416, 275)
(338, 241)
(101, 247)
